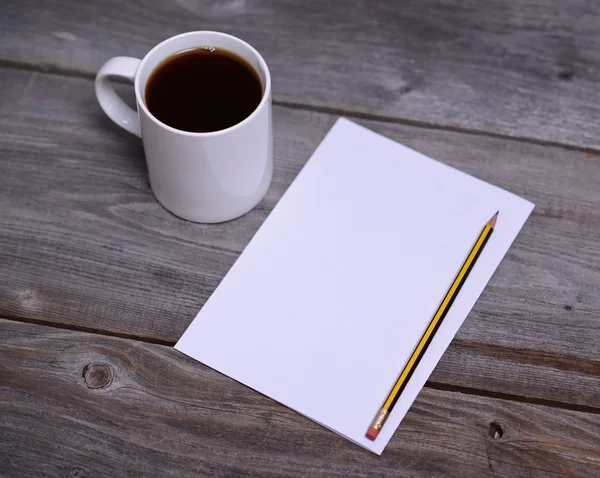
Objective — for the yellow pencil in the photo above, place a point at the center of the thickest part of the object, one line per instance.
(436, 320)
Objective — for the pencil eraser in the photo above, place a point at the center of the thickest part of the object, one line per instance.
(372, 433)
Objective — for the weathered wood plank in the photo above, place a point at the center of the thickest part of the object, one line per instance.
(156, 412)
(526, 68)
(83, 242)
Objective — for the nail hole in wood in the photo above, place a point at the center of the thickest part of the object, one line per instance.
(566, 75)
(97, 375)
(496, 430)
(568, 307)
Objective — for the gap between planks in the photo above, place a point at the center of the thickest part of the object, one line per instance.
(53, 70)
(429, 384)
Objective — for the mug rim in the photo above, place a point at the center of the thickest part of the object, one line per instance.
(263, 101)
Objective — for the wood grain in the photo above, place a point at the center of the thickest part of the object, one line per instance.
(84, 244)
(125, 407)
(526, 68)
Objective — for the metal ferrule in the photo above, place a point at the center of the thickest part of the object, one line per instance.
(380, 419)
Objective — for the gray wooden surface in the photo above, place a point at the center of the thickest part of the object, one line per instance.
(147, 409)
(85, 246)
(525, 68)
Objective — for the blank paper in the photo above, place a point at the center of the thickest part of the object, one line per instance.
(326, 303)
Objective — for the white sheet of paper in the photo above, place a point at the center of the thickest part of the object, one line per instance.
(326, 303)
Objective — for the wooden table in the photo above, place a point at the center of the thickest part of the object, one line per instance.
(98, 281)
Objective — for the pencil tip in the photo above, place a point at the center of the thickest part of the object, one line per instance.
(492, 221)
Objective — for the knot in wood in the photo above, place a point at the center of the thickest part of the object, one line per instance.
(78, 473)
(97, 375)
(496, 430)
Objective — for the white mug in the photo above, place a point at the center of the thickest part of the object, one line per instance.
(202, 177)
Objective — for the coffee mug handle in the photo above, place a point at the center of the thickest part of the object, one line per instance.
(111, 103)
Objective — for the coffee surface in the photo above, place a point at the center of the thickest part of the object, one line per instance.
(203, 90)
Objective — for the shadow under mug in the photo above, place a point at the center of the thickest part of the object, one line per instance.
(202, 177)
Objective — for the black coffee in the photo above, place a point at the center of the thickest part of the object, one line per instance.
(202, 90)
